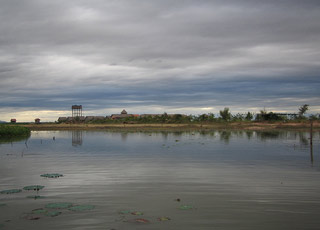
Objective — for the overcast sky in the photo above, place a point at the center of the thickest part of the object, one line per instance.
(155, 56)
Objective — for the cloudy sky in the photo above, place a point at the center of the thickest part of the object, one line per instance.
(151, 56)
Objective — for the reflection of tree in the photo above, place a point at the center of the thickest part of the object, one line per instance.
(164, 135)
(203, 133)
(4, 140)
(266, 135)
(239, 133)
(76, 137)
(303, 140)
(177, 133)
(225, 136)
(249, 134)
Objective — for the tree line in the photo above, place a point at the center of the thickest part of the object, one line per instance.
(225, 115)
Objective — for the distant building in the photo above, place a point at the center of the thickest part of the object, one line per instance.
(37, 120)
(123, 115)
(13, 120)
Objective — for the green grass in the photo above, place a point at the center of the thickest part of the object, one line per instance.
(11, 133)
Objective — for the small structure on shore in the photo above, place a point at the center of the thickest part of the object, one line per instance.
(37, 121)
(13, 120)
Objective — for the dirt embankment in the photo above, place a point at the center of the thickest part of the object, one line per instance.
(303, 126)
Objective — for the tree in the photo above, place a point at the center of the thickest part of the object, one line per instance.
(203, 117)
(225, 114)
(249, 116)
(303, 109)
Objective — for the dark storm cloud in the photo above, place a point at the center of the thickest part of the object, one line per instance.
(165, 54)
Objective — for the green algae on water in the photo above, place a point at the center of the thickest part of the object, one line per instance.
(52, 175)
(36, 197)
(39, 211)
(33, 187)
(185, 207)
(53, 213)
(137, 213)
(59, 205)
(81, 207)
(164, 218)
(10, 191)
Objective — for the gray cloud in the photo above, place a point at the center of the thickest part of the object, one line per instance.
(159, 54)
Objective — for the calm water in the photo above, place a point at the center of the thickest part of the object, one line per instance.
(229, 180)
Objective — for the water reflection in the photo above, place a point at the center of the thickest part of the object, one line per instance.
(76, 138)
(4, 140)
(303, 139)
(225, 136)
(124, 136)
(249, 134)
(258, 179)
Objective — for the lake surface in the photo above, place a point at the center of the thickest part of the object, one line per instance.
(216, 180)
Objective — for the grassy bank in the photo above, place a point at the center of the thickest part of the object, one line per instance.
(303, 126)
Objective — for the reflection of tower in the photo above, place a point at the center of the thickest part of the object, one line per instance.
(76, 110)
(76, 137)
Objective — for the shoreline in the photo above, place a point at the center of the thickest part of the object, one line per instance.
(250, 126)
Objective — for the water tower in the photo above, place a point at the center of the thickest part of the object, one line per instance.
(76, 110)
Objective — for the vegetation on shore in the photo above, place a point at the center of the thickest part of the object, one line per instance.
(13, 132)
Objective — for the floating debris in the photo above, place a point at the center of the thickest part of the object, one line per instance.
(60, 205)
(36, 197)
(53, 213)
(140, 221)
(185, 207)
(177, 140)
(52, 175)
(137, 213)
(33, 187)
(81, 207)
(10, 191)
(125, 212)
(163, 219)
(178, 200)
